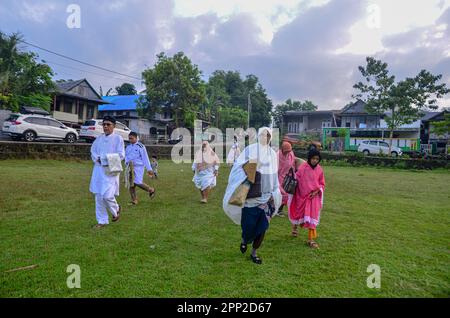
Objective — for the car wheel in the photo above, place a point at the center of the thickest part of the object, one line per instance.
(366, 152)
(71, 138)
(29, 136)
(394, 154)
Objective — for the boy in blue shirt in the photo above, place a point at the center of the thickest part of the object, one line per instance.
(136, 154)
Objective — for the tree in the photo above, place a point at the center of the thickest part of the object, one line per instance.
(399, 102)
(442, 128)
(174, 84)
(126, 89)
(231, 117)
(261, 105)
(289, 104)
(23, 81)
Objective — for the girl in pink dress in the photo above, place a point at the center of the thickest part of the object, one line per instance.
(307, 202)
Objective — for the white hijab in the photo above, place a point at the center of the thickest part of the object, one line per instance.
(267, 163)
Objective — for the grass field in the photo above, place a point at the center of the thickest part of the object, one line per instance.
(173, 246)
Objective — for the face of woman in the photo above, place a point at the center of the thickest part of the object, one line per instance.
(315, 160)
(264, 138)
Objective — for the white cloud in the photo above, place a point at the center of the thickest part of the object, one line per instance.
(36, 12)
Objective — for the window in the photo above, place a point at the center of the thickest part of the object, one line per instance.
(68, 105)
(54, 123)
(80, 110)
(373, 143)
(348, 125)
(39, 121)
(90, 111)
(384, 144)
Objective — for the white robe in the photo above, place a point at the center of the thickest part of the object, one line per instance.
(100, 181)
(267, 165)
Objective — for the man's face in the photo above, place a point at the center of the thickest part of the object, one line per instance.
(132, 139)
(108, 127)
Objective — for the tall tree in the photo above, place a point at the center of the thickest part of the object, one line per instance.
(290, 104)
(399, 102)
(261, 105)
(126, 89)
(174, 84)
(23, 81)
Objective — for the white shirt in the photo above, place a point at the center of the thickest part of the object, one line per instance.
(137, 153)
(100, 181)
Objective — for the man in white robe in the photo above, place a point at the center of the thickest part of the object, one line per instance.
(104, 186)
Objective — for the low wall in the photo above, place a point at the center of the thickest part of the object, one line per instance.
(41, 150)
(360, 160)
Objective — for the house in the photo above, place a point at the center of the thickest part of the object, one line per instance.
(125, 109)
(74, 102)
(309, 121)
(432, 142)
(354, 115)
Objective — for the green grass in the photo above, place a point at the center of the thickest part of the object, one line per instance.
(396, 219)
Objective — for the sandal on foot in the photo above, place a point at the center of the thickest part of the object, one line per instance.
(243, 248)
(256, 259)
(294, 232)
(152, 194)
(313, 244)
(99, 226)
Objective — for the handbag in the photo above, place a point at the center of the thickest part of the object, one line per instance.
(255, 188)
(240, 194)
(289, 182)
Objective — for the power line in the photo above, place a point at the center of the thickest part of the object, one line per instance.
(70, 58)
(77, 69)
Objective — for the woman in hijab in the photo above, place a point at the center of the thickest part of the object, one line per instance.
(256, 212)
(206, 169)
(234, 152)
(307, 201)
(286, 162)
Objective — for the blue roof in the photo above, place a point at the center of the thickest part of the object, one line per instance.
(119, 102)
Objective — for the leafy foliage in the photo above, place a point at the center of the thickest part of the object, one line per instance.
(23, 81)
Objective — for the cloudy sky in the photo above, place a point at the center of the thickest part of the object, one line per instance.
(301, 49)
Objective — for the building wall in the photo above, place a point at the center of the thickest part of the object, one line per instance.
(355, 121)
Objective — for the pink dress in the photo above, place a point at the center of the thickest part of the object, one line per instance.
(284, 164)
(302, 209)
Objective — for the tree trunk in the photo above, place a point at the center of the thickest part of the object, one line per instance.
(391, 135)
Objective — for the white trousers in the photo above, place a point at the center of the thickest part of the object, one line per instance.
(105, 203)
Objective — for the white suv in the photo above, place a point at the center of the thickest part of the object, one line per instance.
(37, 127)
(93, 128)
(378, 146)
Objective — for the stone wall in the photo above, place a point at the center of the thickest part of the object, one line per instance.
(41, 150)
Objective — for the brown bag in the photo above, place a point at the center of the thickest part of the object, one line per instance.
(240, 194)
(250, 171)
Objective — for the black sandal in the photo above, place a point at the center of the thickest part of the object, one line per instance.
(256, 259)
(243, 248)
(152, 194)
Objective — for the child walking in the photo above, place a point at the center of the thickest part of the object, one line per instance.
(154, 165)
(307, 202)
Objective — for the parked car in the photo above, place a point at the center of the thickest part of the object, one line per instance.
(93, 128)
(31, 127)
(176, 140)
(378, 146)
(302, 142)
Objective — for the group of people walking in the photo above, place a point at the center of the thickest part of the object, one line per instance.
(254, 194)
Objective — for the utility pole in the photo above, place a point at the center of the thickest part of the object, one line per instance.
(249, 108)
